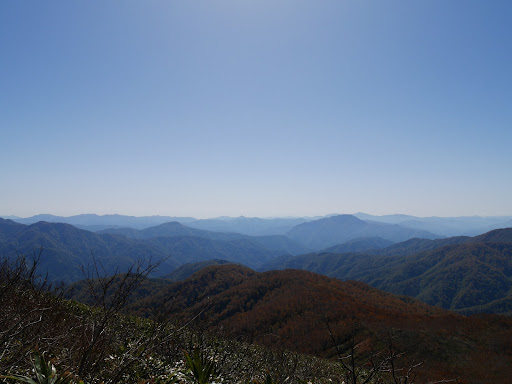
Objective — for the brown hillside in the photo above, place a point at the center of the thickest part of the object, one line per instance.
(310, 313)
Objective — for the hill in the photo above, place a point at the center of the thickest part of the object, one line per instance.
(188, 269)
(68, 342)
(303, 311)
(413, 246)
(225, 315)
(330, 231)
(460, 273)
(454, 277)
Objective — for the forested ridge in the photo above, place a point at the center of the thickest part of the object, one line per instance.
(302, 311)
(467, 274)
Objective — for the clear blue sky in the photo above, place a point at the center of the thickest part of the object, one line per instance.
(256, 107)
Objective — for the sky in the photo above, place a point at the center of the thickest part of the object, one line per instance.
(256, 107)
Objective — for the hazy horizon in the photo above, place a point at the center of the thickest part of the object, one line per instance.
(256, 109)
(258, 217)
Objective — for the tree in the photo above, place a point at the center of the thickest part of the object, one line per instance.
(108, 296)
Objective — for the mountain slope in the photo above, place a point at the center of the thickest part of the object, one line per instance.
(454, 277)
(188, 269)
(503, 235)
(330, 231)
(458, 273)
(303, 311)
(8, 228)
(412, 246)
(362, 244)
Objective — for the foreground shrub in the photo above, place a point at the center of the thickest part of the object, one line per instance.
(44, 373)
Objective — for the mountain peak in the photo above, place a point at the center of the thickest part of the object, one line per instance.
(333, 230)
(171, 224)
(345, 218)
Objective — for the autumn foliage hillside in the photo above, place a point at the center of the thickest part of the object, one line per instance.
(314, 314)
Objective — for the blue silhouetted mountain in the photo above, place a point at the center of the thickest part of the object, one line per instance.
(278, 243)
(253, 226)
(66, 248)
(334, 230)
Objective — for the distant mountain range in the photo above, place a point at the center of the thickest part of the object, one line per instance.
(445, 226)
(65, 248)
(278, 243)
(463, 273)
(254, 226)
(93, 221)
